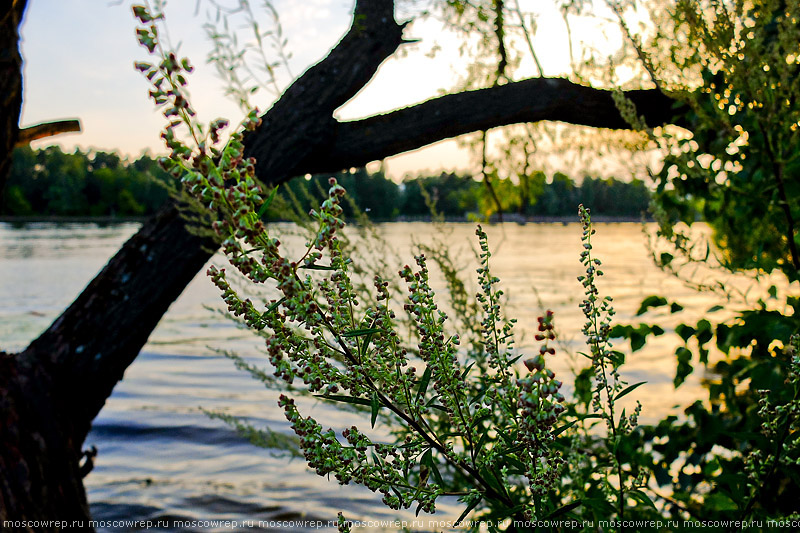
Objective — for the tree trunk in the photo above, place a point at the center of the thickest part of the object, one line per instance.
(51, 392)
(10, 83)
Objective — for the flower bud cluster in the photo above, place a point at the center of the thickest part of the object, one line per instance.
(440, 353)
(497, 332)
(540, 403)
(780, 422)
(598, 313)
(381, 471)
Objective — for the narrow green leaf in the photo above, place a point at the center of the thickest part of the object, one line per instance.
(509, 440)
(564, 509)
(365, 345)
(466, 370)
(426, 457)
(558, 431)
(419, 508)
(431, 464)
(626, 390)
(360, 332)
(481, 440)
(510, 512)
(267, 202)
(469, 508)
(423, 384)
(345, 399)
(515, 359)
(643, 498)
(375, 404)
(515, 463)
(274, 306)
(491, 480)
(317, 267)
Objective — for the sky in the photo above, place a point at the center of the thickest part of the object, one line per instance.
(79, 55)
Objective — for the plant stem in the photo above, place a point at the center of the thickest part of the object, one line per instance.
(777, 170)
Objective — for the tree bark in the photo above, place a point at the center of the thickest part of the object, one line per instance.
(10, 82)
(51, 392)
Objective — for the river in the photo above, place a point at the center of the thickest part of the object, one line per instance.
(161, 458)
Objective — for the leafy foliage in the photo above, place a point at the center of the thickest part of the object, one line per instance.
(472, 421)
(739, 167)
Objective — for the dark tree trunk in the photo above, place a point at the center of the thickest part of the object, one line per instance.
(51, 392)
(10, 83)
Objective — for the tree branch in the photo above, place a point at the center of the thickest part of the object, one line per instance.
(46, 129)
(356, 143)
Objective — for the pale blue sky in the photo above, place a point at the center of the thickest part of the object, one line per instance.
(79, 58)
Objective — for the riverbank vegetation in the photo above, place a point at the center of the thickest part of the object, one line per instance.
(52, 183)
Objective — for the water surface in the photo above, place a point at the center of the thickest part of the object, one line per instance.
(161, 458)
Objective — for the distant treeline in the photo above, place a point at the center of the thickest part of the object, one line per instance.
(49, 182)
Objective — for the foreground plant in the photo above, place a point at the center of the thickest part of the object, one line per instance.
(474, 434)
(481, 429)
(480, 422)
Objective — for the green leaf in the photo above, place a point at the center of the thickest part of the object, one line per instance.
(360, 332)
(423, 384)
(627, 390)
(317, 267)
(558, 431)
(651, 301)
(427, 460)
(617, 358)
(345, 399)
(684, 365)
(637, 341)
(720, 502)
(274, 306)
(267, 202)
(515, 359)
(563, 509)
(365, 345)
(466, 370)
(469, 508)
(510, 512)
(481, 440)
(684, 331)
(375, 404)
(436, 406)
(642, 498)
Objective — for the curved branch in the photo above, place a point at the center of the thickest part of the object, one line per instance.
(356, 143)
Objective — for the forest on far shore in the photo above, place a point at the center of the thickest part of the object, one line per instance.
(51, 183)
